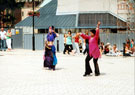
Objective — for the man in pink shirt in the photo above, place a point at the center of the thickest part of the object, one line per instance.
(93, 51)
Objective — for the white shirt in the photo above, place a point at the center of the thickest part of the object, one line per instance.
(3, 35)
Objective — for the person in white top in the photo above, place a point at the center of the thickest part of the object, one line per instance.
(3, 39)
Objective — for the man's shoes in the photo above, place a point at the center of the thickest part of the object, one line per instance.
(86, 75)
(97, 74)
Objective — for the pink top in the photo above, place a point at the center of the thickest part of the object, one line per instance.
(93, 44)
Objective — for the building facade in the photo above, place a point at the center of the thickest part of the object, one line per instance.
(78, 16)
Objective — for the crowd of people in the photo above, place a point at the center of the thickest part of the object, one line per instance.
(5, 40)
(106, 49)
(81, 45)
(68, 43)
(89, 44)
(109, 50)
(128, 49)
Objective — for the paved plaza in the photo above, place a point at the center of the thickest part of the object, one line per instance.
(21, 73)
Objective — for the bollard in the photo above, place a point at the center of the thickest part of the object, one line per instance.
(12, 43)
(124, 49)
(57, 45)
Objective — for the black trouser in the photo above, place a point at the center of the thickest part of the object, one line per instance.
(87, 65)
(127, 54)
(86, 49)
(69, 48)
(64, 48)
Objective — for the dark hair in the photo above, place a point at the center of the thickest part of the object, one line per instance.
(94, 32)
(115, 45)
(69, 31)
(52, 27)
(128, 40)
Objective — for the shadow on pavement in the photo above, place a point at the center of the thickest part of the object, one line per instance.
(102, 74)
(59, 69)
(52, 69)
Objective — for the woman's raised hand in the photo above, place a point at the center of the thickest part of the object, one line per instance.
(98, 24)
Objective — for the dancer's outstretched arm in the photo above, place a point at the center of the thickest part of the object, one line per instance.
(97, 30)
(98, 24)
(84, 36)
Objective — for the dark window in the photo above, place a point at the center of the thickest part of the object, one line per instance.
(113, 30)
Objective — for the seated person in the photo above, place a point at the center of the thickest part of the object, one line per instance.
(107, 50)
(126, 51)
(132, 46)
(133, 50)
(114, 51)
(101, 48)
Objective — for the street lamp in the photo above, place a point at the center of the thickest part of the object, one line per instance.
(33, 36)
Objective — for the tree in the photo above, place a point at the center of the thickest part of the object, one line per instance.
(8, 5)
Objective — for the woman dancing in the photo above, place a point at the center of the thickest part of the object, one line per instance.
(69, 45)
(93, 51)
(50, 59)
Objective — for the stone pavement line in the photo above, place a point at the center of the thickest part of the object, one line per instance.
(21, 73)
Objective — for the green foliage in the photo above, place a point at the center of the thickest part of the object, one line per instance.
(9, 5)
